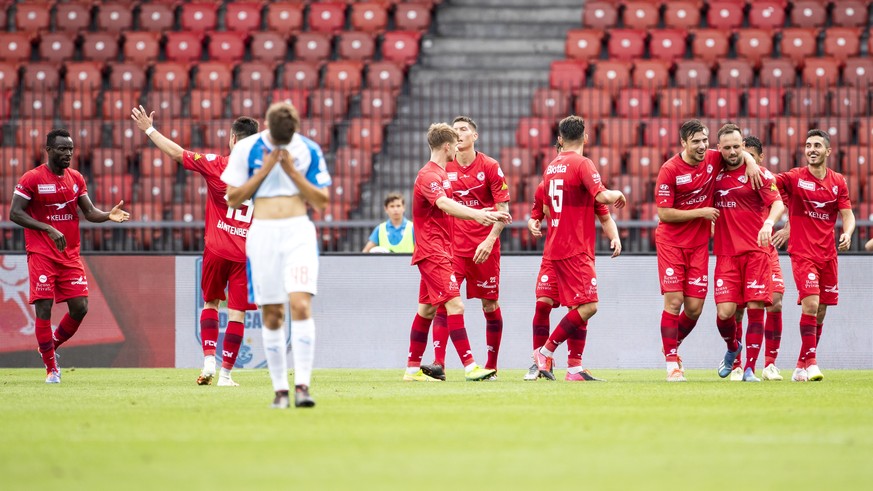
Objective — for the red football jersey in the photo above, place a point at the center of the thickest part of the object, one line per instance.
(537, 213)
(572, 182)
(226, 228)
(478, 185)
(742, 211)
(686, 187)
(52, 199)
(433, 226)
(813, 207)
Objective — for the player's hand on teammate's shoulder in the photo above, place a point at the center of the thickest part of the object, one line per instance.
(117, 214)
(754, 172)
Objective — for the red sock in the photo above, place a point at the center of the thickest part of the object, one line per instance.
(417, 340)
(807, 341)
(46, 344)
(818, 334)
(440, 336)
(493, 334)
(459, 338)
(773, 337)
(670, 335)
(565, 328)
(209, 331)
(686, 325)
(754, 337)
(727, 328)
(233, 338)
(66, 329)
(541, 324)
(576, 345)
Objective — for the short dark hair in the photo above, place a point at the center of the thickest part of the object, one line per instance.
(392, 197)
(820, 133)
(690, 127)
(283, 121)
(572, 128)
(57, 132)
(244, 126)
(465, 119)
(754, 142)
(726, 129)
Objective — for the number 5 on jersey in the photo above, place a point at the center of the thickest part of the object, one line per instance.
(556, 192)
(243, 213)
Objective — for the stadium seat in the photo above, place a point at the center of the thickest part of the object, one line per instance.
(352, 162)
(777, 72)
(412, 17)
(126, 135)
(619, 132)
(108, 162)
(356, 45)
(644, 162)
(692, 73)
(593, 102)
(764, 102)
(378, 104)
(779, 159)
(857, 163)
(330, 104)
(193, 210)
(599, 14)
(213, 76)
(517, 162)
(199, 16)
(33, 16)
(114, 17)
(850, 13)
(607, 160)
(255, 76)
(72, 16)
(56, 46)
(682, 14)
(227, 46)
(118, 103)
(838, 128)
(662, 132)
(112, 188)
(667, 44)
(368, 17)
(41, 76)
(821, 72)
(366, 134)
(312, 46)
(550, 103)
(567, 74)
(533, 132)
(808, 13)
(725, 14)
(798, 44)
(865, 132)
(285, 17)
(216, 133)
(243, 17)
(400, 47)
(15, 46)
(170, 76)
(735, 73)
(754, 44)
(626, 44)
(634, 103)
(158, 188)
(721, 102)
(640, 14)
(710, 44)
(583, 44)
(790, 132)
(87, 133)
(30, 133)
(767, 14)
(345, 191)
(298, 97)
(858, 72)
(612, 75)
(14, 161)
(633, 187)
(126, 76)
(8, 76)
(167, 103)
(385, 75)
(269, 46)
(155, 17)
(207, 104)
(806, 101)
(141, 47)
(83, 75)
(318, 130)
(153, 162)
(678, 102)
(100, 46)
(651, 74)
(343, 75)
(184, 46)
(842, 42)
(327, 17)
(758, 127)
(849, 101)
(37, 105)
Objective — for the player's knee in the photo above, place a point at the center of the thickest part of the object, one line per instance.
(489, 305)
(724, 313)
(272, 316)
(43, 309)
(776, 306)
(236, 315)
(455, 306)
(301, 308)
(587, 311)
(78, 308)
(212, 304)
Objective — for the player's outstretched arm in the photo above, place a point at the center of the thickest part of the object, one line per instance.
(610, 230)
(672, 215)
(18, 215)
(483, 250)
(611, 197)
(95, 215)
(317, 197)
(237, 195)
(144, 121)
(485, 216)
(848, 228)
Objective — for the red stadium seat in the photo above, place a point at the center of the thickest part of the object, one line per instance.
(607, 160)
(327, 17)
(838, 128)
(243, 16)
(850, 13)
(378, 104)
(285, 17)
(199, 17)
(255, 76)
(412, 17)
(37, 105)
(118, 103)
(682, 14)
(213, 76)
(721, 102)
(108, 162)
(72, 16)
(842, 42)
(346, 190)
(633, 187)
(759, 127)
(779, 159)
(667, 44)
(710, 44)
(184, 46)
(114, 17)
(41, 76)
(15, 46)
(299, 98)
(735, 73)
(86, 134)
(126, 76)
(57, 46)
(764, 102)
(206, 104)
(821, 72)
(31, 133)
(269, 46)
(154, 162)
(33, 16)
(777, 72)
(78, 104)
(790, 131)
(366, 134)
(857, 162)
(661, 132)
(99, 46)
(678, 102)
(612, 75)
(533, 132)
(193, 210)
(312, 46)
(798, 44)
(808, 13)
(167, 103)
(352, 162)
(599, 14)
(112, 188)
(619, 132)
(14, 161)
(865, 132)
(651, 74)
(634, 103)
(692, 73)
(368, 17)
(329, 104)
(126, 135)
(583, 44)
(83, 75)
(155, 17)
(640, 14)
(858, 72)
(318, 130)
(343, 75)
(593, 102)
(356, 46)
(567, 74)
(141, 47)
(725, 14)
(400, 46)
(644, 161)
(216, 133)
(385, 75)
(807, 101)
(626, 44)
(517, 162)
(767, 14)
(550, 103)
(227, 46)
(170, 76)
(159, 188)
(849, 101)
(8, 76)
(754, 44)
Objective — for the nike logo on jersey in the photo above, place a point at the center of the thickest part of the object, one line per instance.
(61, 206)
(464, 192)
(725, 192)
(819, 204)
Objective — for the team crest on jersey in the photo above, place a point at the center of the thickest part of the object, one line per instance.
(683, 179)
(743, 179)
(453, 176)
(434, 186)
(835, 189)
(480, 176)
(75, 188)
(499, 171)
(709, 169)
(46, 188)
(809, 186)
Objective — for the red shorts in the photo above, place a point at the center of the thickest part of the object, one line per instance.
(744, 278)
(438, 282)
(684, 270)
(50, 279)
(577, 280)
(547, 282)
(219, 274)
(483, 280)
(816, 278)
(776, 279)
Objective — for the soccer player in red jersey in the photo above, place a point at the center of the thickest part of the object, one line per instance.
(477, 182)
(431, 207)
(44, 204)
(546, 290)
(572, 186)
(742, 248)
(224, 257)
(684, 195)
(815, 195)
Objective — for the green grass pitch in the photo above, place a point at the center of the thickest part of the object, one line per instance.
(155, 429)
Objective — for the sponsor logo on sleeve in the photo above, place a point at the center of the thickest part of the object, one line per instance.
(211, 156)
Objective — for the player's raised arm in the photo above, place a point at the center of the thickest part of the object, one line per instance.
(485, 216)
(144, 121)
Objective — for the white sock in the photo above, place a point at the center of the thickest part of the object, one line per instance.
(546, 352)
(412, 370)
(277, 356)
(574, 369)
(303, 349)
(224, 373)
(209, 364)
(469, 368)
(672, 365)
